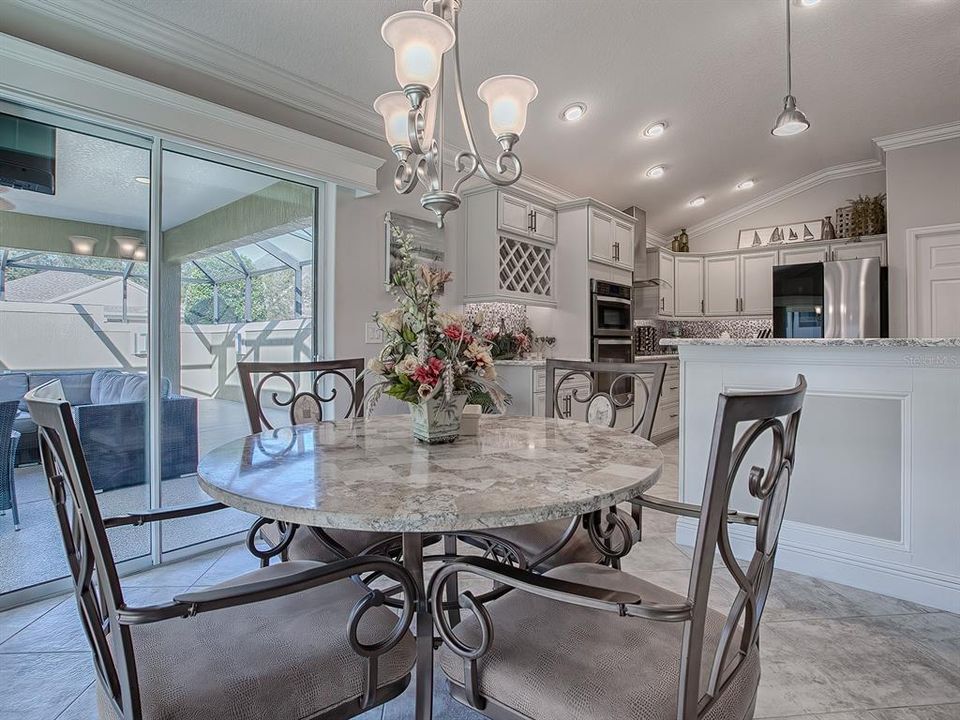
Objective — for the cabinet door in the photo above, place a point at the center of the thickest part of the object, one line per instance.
(756, 282)
(539, 405)
(799, 255)
(688, 286)
(623, 244)
(720, 290)
(544, 223)
(859, 251)
(514, 214)
(601, 236)
(666, 284)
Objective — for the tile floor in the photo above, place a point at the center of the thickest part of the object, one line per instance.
(830, 652)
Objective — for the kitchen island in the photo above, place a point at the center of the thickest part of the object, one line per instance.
(875, 496)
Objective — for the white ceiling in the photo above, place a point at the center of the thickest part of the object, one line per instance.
(715, 71)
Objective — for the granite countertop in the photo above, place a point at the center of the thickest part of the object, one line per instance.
(370, 474)
(532, 362)
(656, 356)
(818, 342)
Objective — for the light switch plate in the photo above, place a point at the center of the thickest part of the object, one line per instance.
(373, 335)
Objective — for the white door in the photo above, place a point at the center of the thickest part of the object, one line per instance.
(860, 251)
(601, 236)
(935, 292)
(666, 284)
(623, 244)
(720, 285)
(756, 282)
(688, 286)
(800, 255)
(544, 223)
(514, 214)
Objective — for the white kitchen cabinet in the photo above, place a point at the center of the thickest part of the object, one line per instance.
(721, 275)
(756, 282)
(859, 250)
(623, 244)
(800, 255)
(544, 223)
(516, 214)
(611, 240)
(667, 278)
(688, 286)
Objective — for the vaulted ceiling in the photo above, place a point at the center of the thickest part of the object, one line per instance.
(714, 71)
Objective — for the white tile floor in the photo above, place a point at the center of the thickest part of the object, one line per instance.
(830, 652)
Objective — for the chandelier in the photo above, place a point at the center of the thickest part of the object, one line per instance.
(413, 116)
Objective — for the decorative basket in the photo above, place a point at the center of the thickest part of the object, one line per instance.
(844, 223)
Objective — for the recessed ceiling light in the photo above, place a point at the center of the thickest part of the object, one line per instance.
(656, 171)
(142, 179)
(745, 185)
(573, 112)
(698, 201)
(807, 3)
(655, 129)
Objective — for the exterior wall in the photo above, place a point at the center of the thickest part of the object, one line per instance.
(923, 189)
(809, 205)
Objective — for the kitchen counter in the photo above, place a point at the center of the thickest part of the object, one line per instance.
(874, 497)
(817, 342)
(656, 356)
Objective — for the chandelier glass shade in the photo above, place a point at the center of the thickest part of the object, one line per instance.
(413, 116)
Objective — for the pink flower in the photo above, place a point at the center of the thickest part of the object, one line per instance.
(490, 334)
(454, 332)
(428, 373)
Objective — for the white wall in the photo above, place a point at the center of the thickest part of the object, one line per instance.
(811, 204)
(923, 189)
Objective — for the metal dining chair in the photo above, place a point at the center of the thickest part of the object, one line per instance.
(585, 640)
(295, 640)
(300, 405)
(9, 439)
(615, 389)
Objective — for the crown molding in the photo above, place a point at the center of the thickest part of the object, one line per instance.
(180, 45)
(836, 172)
(657, 239)
(921, 136)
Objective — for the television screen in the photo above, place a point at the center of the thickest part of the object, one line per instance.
(28, 152)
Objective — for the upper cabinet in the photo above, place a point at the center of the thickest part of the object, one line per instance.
(721, 283)
(859, 250)
(799, 255)
(667, 277)
(755, 293)
(516, 214)
(611, 239)
(688, 286)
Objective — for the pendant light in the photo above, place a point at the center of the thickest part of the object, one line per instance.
(791, 121)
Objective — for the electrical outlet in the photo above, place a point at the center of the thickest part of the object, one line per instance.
(373, 335)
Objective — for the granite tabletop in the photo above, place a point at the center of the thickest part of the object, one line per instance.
(370, 474)
(896, 342)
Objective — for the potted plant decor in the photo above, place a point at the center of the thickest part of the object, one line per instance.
(868, 215)
(430, 359)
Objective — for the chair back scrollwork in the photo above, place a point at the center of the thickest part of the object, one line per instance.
(259, 381)
(93, 571)
(777, 414)
(627, 386)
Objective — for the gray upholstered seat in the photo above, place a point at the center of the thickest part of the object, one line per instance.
(533, 539)
(283, 658)
(554, 661)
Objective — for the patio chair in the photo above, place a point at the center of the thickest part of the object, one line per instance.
(9, 438)
(585, 640)
(297, 640)
(615, 388)
(304, 407)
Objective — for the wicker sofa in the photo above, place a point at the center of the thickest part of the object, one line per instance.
(111, 416)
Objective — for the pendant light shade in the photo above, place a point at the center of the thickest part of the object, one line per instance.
(791, 121)
(507, 97)
(419, 40)
(393, 107)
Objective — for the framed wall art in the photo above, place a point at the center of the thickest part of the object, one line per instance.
(806, 231)
(429, 245)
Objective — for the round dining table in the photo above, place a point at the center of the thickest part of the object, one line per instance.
(371, 474)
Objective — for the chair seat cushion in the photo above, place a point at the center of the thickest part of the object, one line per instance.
(306, 545)
(288, 657)
(555, 661)
(535, 538)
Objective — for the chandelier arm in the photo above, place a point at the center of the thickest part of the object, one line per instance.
(406, 176)
(466, 164)
(468, 131)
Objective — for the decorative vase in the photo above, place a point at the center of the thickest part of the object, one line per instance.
(829, 232)
(684, 240)
(675, 245)
(437, 420)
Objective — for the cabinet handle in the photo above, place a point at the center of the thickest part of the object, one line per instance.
(534, 213)
(661, 304)
(701, 307)
(530, 221)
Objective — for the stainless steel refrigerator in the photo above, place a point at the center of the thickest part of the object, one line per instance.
(841, 299)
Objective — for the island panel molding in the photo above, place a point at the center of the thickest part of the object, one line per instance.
(874, 496)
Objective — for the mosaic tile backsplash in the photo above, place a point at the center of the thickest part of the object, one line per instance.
(746, 328)
(489, 314)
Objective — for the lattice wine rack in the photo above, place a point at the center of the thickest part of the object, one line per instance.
(525, 268)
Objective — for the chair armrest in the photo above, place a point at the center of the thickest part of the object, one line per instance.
(689, 510)
(170, 513)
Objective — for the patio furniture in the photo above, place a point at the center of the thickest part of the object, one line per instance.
(615, 388)
(260, 381)
(296, 640)
(585, 640)
(110, 411)
(371, 474)
(9, 438)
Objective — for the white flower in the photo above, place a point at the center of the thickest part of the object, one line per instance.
(407, 365)
(490, 373)
(392, 320)
(424, 391)
(478, 355)
(375, 365)
(445, 319)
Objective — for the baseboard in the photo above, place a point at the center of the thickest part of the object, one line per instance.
(925, 587)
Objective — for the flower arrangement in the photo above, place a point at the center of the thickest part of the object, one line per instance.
(428, 354)
(506, 345)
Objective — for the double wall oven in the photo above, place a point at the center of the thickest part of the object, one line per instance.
(611, 327)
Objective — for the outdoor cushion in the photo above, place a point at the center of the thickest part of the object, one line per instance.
(13, 386)
(23, 423)
(76, 385)
(110, 387)
(288, 657)
(556, 661)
